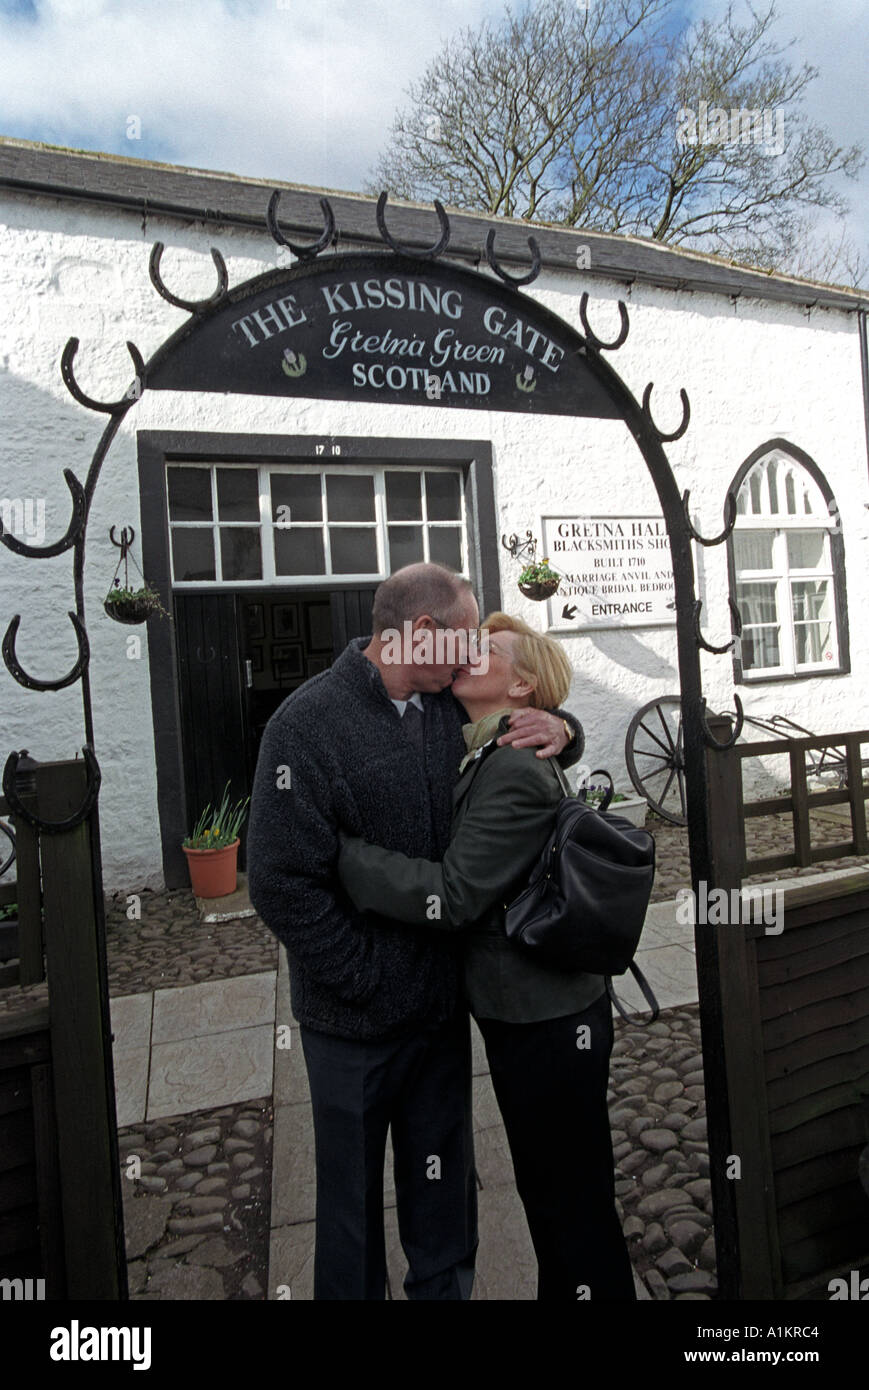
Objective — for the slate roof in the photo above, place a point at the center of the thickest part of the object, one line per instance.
(228, 199)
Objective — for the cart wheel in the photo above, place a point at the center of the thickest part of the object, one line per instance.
(655, 757)
(10, 835)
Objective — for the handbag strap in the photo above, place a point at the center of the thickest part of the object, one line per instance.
(648, 995)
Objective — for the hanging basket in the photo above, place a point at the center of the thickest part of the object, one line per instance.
(123, 603)
(135, 610)
(541, 590)
(213, 872)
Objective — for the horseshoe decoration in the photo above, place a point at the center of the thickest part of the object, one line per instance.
(591, 337)
(737, 729)
(729, 520)
(304, 253)
(514, 280)
(701, 640)
(426, 253)
(686, 415)
(48, 827)
(193, 306)
(73, 531)
(15, 669)
(132, 393)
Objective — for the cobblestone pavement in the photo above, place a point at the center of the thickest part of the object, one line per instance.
(767, 835)
(171, 947)
(196, 1206)
(658, 1122)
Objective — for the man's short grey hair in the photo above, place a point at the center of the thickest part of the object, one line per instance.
(418, 589)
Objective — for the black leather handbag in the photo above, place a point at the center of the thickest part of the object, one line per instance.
(586, 899)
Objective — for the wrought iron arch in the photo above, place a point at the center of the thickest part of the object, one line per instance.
(588, 363)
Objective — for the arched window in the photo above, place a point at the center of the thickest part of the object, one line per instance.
(787, 568)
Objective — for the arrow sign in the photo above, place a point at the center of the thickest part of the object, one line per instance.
(568, 611)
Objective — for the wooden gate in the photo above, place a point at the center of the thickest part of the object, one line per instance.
(60, 1196)
(795, 1003)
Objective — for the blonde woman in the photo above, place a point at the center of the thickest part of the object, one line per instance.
(548, 1033)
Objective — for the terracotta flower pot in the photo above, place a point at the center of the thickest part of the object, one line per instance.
(213, 872)
(543, 589)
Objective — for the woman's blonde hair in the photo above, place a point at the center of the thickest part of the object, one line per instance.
(537, 659)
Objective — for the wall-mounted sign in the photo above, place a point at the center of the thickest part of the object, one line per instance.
(387, 329)
(616, 572)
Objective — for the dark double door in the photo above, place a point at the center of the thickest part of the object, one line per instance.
(239, 654)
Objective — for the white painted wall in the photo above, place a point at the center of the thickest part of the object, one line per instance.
(753, 371)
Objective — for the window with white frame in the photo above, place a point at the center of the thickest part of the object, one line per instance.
(783, 565)
(249, 524)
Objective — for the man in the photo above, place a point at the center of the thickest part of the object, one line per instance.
(372, 746)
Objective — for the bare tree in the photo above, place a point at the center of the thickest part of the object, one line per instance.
(619, 117)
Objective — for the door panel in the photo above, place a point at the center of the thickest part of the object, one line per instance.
(212, 702)
(351, 615)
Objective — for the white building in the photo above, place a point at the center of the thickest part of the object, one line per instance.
(775, 370)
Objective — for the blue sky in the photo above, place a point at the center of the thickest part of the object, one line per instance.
(305, 90)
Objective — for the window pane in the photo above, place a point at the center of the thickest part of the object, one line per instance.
(752, 550)
(812, 642)
(405, 546)
(350, 497)
(806, 549)
(300, 492)
(403, 497)
(759, 647)
(354, 549)
(299, 550)
(445, 546)
(811, 600)
(756, 603)
(237, 494)
(189, 494)
(192, 553)
(443, 496)
(240, 553)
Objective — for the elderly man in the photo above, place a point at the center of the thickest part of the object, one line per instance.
(372, 746)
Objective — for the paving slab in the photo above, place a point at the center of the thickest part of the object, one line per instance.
(291, 1262)
(201, 1073)
(293, 1173)
(672, 973)
(215, 1006)
(131, 1068)
(131, 1021)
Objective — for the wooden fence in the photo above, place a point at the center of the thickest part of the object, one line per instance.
(60, 1201)
(793, 993)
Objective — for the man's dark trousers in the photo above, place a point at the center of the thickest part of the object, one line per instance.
(420, 1084)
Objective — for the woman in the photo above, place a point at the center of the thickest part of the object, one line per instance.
(548, 1033)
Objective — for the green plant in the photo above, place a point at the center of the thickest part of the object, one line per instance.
(595, 794)
(539, 572)
(145, 597)
(217, 829)
(10, 910)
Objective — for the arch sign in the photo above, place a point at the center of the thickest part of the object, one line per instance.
(388, 330)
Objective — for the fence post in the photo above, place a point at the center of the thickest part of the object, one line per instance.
(737, 1132)
(80, 1044)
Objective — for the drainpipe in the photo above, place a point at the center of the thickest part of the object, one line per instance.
(864, 370)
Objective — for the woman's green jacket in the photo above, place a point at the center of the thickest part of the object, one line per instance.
(503, 814)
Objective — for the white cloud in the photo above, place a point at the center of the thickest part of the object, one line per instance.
(305, 90)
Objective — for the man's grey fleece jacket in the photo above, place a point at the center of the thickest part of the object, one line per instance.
(334, 755)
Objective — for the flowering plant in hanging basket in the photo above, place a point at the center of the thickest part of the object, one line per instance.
(212, 849)
(538, 580)
(133, 605)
